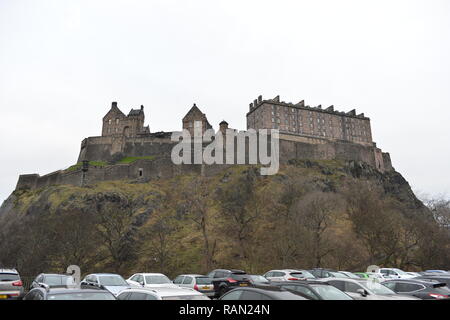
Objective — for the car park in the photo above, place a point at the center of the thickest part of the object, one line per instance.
(365, 289)
(68, 294)
(150, 280)
(314, 290)
(161, 293)
(114, 283)
(224, 280)
(53, 280)
(11, 286)
(197, 282)
(422, 289)
(288, 275)
(262, 293)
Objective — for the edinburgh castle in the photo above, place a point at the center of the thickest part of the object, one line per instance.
(128, 150)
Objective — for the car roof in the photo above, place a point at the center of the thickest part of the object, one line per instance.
(192, 275)
(56, 274)
(104, 274)
(14, 271)
(285, 270)
(165, 291)
(72, 290)
(414, 280)
(307, 282)
(150, 274)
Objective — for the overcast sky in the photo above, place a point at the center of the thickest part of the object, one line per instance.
(62, 63)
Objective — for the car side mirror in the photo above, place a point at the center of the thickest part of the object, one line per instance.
(362, 292)
(142, 283)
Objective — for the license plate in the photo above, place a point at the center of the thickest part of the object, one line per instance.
(3, 296)
(206, 288)
(243, 284)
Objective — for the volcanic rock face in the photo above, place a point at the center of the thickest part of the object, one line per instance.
(312, 213)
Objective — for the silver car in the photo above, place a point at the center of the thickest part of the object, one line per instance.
(114, 283)
(197, 282)
(11, 287)
(363, 289)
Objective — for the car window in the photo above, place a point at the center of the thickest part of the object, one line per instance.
(219, 274)
(204, 280)
(149, 296)
(278, 274)
(134, 278)
(187, 280)
(137, 296)
(338, 284)
(330, 293)
(123, 296)
(178, 280)
(390, 285)
(140, 278)
(385, 272)
(233, 295)
(157, 279)
(112, 280)
(302, 289)
(352, 287)
(269, 274)
(408, 287)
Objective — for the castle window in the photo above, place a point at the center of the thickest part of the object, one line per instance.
(273, 119)
(117, 121)
(141, 172)
(109, 121)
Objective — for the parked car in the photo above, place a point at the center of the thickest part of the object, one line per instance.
(257, 279)
(395, 273)
(68, 294)
(150, 280)
(436, 271)
(326, 273)
(439, 277)
(288, 275)
(224, 280)
(261, 293)
(161, 293)
(197, 282)
(349, 274)
(11, 287)
(422, 289)
(365, 289)
(414, 274)
(114, 283)
(53, 280)
(314, 290)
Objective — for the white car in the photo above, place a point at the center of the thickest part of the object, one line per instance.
(288, 275)
(394, 273)
(150, 280)
(161, 294)
(197, 282)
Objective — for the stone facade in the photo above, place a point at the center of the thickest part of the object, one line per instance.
(305, 133)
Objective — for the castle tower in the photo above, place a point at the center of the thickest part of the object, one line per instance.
(116, 123)
(193, 116)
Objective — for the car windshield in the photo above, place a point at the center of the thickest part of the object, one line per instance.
(157, 279)
(9, 277)
(203, 280)
(59, 280)
(350, 275)
(401, 272)
(302, 274)
(186, 297)
(82, 296)
(338, 275)
(330, 292)
(376, 287)
(112, 281)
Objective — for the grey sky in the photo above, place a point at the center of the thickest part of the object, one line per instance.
(63, 62)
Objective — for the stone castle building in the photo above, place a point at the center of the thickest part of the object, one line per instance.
(305, 133)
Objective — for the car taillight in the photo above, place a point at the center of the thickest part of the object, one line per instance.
(231, 280)
(438, 296)
(293, 279)
(17, 283)
(195, 287)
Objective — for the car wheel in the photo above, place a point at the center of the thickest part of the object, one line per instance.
(222, 291)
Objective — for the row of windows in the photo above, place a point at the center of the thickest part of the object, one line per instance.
(110, 121)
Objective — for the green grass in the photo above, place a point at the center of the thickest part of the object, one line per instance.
(91, 163)
(132, 159)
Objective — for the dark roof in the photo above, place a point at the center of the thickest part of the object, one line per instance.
(223, 122)
(136, 112)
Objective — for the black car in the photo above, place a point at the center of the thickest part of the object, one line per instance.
(68, 294)
(444, 277)
(53, 281)
(314, 290)
(422, 289)
(226, 279)
(261, 293)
